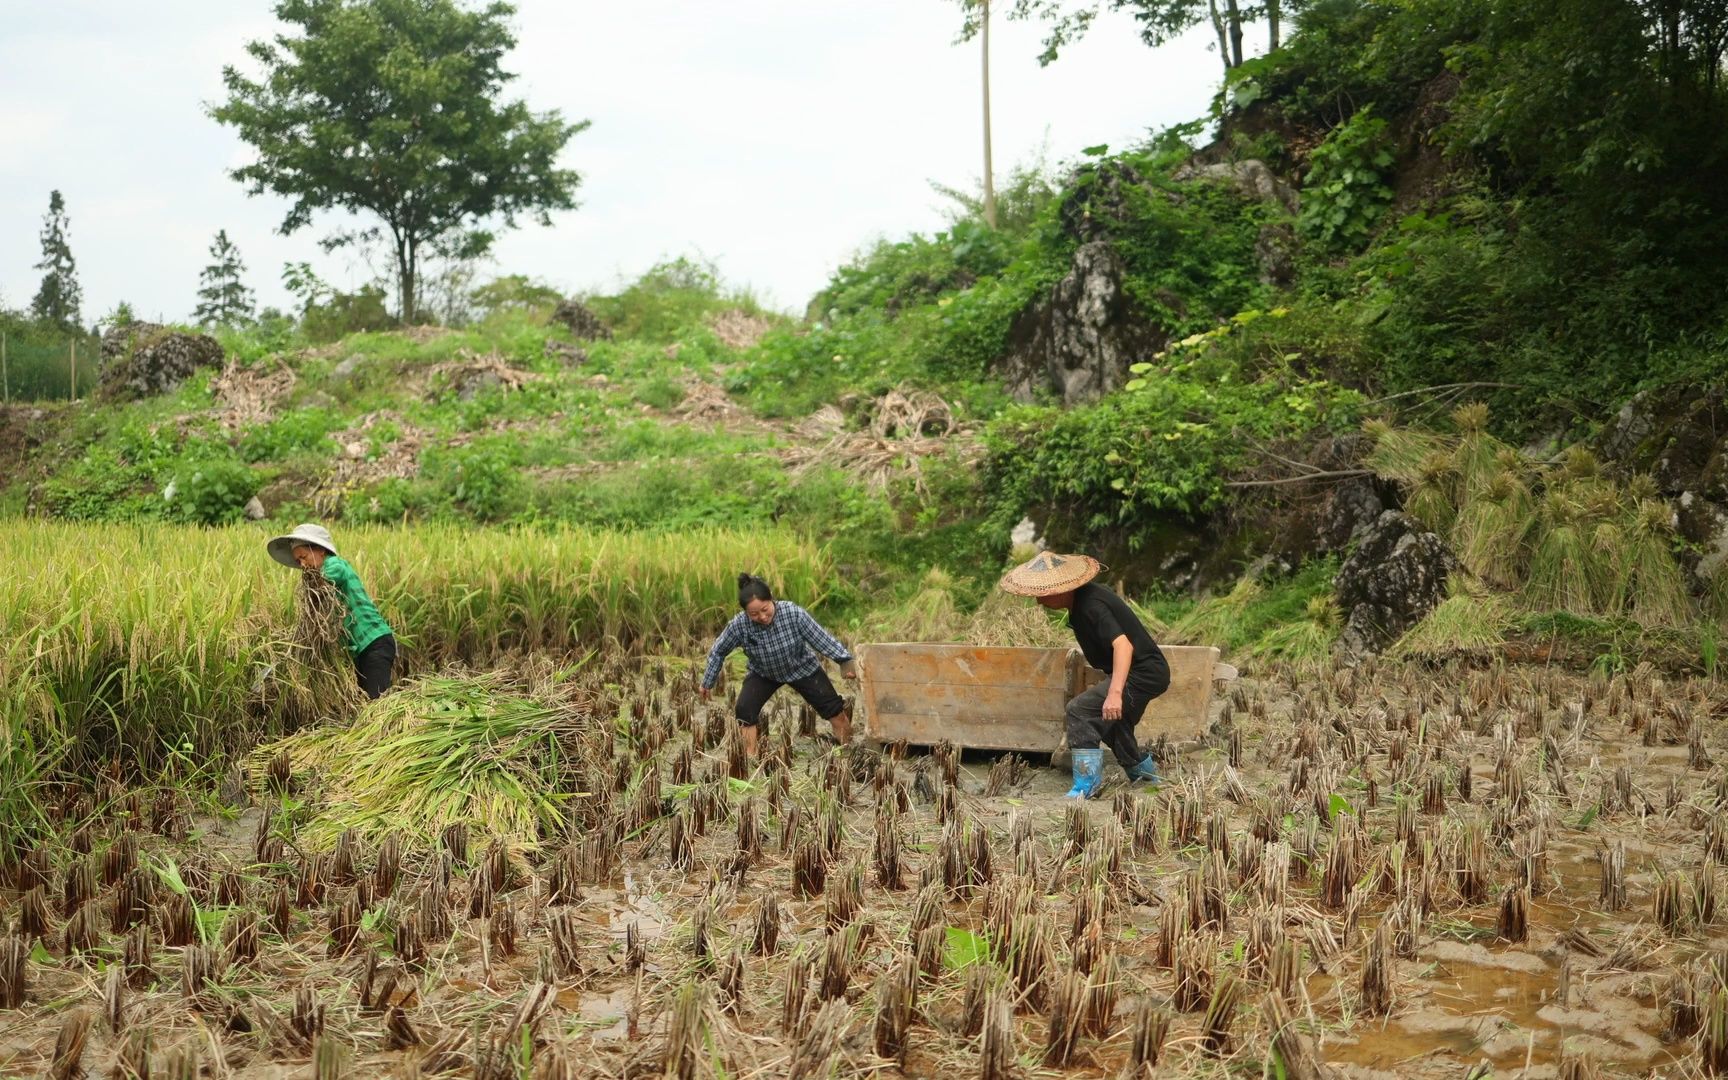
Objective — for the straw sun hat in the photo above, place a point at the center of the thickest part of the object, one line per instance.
(282, 547)
(1049, 573)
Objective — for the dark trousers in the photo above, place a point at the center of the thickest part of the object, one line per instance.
(1087, 728)
(376, 663)
(814, 688)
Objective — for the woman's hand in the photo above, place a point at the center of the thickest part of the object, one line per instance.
(706, 693)
(1113, 705)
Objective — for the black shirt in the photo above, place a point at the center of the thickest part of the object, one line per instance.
(1098, 617)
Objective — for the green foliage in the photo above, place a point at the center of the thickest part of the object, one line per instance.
(514, 292)
(892, 277)
(210, 487)
(393, 108)
(58, 298)
(670, 302)
(301, 431)
(223, 299)
(1166, 448)
(483, 480)
(1289, 617)
(1346, 191)
(1021, 198)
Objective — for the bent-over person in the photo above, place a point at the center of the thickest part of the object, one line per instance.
(364, 631)
(784, 645)
(1115, 642)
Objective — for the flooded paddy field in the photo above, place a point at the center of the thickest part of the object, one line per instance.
(1379, 871)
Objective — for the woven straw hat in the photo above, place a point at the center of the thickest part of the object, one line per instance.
(282, 547)
(1049, 573)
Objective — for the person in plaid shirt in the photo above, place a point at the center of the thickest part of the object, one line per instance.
(364, 630)
(781, 641)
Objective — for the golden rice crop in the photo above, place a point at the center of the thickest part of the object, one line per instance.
(163, 645)
(436, 752)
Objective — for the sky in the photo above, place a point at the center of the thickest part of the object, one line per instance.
(775, 138)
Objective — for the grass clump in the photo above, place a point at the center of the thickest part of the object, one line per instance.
(1533, 537)
(1291, 617)
(436, 752)
(1470, 619)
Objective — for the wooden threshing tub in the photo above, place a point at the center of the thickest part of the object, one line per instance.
(999, 698)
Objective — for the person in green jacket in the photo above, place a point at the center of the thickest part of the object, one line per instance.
(368, 637)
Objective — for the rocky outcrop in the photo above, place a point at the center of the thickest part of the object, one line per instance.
(1078, 341)
(1251, 178)
(1679, 437)
(584, 325)
(1395, 575)
(141, 360)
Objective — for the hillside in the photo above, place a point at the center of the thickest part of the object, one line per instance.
(1166, 354)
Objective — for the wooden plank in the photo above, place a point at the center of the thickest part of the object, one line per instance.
(1009, 698)
(990, 698)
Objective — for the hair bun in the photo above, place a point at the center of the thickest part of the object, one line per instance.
(745, 579)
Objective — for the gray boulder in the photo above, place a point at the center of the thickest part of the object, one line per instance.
(583, 324)
(1678, 436)
(1393, 578)
(1079, 341)
(141, 360)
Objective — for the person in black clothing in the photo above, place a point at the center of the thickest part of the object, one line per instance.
(1115, 642)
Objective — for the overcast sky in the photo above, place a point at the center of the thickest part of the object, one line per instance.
(775, 137)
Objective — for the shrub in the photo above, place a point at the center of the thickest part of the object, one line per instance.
(1346, 190)
(1165, 448)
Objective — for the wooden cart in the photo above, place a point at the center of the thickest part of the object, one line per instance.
(998, 698)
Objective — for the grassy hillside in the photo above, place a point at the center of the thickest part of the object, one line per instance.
(1512, 204)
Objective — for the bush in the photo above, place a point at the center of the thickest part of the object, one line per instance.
(1138, 456)
(1346, 190)
(670, 300)
(211, 487)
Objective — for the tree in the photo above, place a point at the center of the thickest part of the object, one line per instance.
(58, 297)
(394, 109)
(1160, 21)
(222, 299)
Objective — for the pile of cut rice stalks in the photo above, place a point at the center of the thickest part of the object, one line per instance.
(476, 750)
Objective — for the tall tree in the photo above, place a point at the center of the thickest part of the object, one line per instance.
(1067, 21)
(223, 299)
(395, 109)
(59, 296)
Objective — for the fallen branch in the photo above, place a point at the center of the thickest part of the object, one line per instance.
(1450, 387)
(1335, 474)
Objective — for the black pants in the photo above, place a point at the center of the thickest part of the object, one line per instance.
(1087, 727)
(814, 688)
(376, 663)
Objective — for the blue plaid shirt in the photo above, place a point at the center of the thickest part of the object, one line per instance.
(781, 650)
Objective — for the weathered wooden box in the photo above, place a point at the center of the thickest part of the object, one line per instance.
(999, 698)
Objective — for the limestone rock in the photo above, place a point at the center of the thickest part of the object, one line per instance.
(1275, 253)
(141, 360)
(1395, 575)
(565, 353)
(1679, 437)
(1251, 178)
(584, 325)
(1079, 341)
(1351, 508)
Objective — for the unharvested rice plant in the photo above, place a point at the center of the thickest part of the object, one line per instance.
(560, 871)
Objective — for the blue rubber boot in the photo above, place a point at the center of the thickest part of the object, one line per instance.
(1088, 773)
(1146, 771)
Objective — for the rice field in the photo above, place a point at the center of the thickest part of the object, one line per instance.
(162, 650)
(1387, 870)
